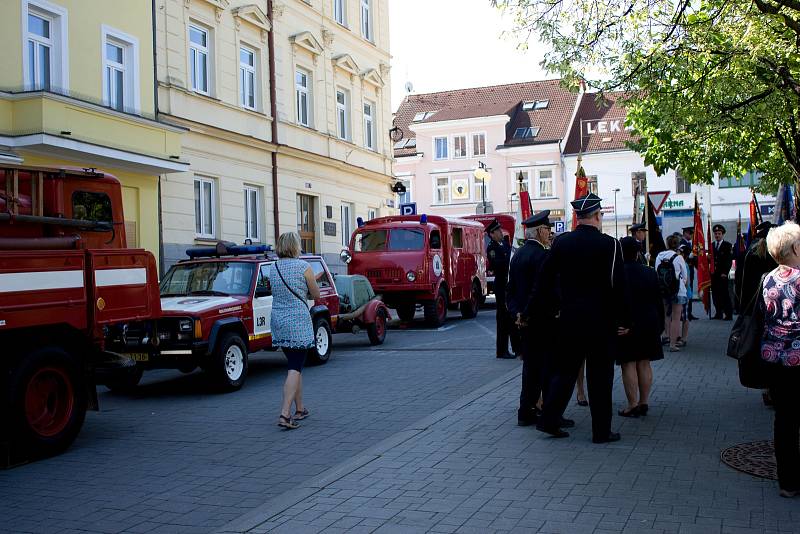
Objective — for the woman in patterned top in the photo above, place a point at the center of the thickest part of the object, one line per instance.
(292, 279)
(781, 346)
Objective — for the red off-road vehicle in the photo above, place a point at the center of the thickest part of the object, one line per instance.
(216, 309)
(417, 259)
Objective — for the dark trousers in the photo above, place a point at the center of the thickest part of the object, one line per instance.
(504, 323)
(560, 383)
(721, 296)
(533, 360)
(784, 395)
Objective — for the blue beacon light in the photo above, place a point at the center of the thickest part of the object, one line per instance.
(423, 219)
(359, 222)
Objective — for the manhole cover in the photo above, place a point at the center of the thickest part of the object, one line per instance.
(756, 458)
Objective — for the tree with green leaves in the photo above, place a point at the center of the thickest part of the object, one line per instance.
(711, 85)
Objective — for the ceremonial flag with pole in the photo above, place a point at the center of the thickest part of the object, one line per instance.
(581, 187)
(740, 247)
(699, 250)
(755, 218)
(655, 239)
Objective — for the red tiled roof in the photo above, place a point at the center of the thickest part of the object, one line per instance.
(493, 100)
(594, 115)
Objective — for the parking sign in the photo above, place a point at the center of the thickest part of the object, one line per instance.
(559, 226)
(408, 209)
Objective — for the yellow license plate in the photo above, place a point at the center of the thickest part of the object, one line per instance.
(138, 356)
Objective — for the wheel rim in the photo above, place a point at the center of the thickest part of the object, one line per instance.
(475, 299)
(49, 401)
(322, 341)
(441, 307)
(234, 362)
(380, 325)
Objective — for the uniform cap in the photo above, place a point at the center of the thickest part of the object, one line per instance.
(540, 219)
(586, 205)
(638, 226)
(494, 225)
(718, 227)
(630, 247)
(688, 229)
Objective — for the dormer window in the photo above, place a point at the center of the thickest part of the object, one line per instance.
(526, 133)
(406, 143)
(423, 115)
(533, 105)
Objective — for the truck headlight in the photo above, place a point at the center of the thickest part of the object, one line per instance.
(410, 276)
(185, 325)
(345, 256)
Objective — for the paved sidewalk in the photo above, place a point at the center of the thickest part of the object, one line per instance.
(470, 468)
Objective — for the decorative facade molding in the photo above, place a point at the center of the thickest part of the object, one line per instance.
(347, 64)
(327, 37)
(384, 68)
(371, 76)
(219, 6)
(253, 15)
(307, 42)
(277, 9)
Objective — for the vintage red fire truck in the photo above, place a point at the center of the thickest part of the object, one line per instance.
(66, 279)
(508, 225)
(421, 259)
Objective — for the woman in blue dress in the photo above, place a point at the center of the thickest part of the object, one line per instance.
(292, 281)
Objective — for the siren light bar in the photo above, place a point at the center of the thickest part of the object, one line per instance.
(227, 249)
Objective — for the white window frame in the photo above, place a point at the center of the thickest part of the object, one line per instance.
(406, 179)
(369, 126)
(472, 151)
(477, 187)
(300, 91)
(340, 12)
(252, 228)
(367, 31)
(465, 146)
(539, 181)
(372, 213)
(248, 72)
(528, 174)
(131, 91)
(212, 217)
(436, 187)
(59, 44)
(447, 148)
(343, 114)
(346, 211)
(194, 63)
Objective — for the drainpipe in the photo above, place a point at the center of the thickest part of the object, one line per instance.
(273, 108)
(155, 113)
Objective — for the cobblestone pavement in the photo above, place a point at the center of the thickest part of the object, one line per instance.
(175, 457)
(469, 468)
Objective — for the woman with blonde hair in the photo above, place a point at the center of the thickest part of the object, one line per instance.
(781, 347)
(292, 279)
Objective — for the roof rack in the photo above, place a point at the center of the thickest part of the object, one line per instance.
(226, 248)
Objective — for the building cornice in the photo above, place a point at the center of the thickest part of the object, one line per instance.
(219, 133)
(472, 121)
(541, 147)
(287, 150)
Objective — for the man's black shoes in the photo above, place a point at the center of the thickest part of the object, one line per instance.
(612, 436)
(553, 431)
(566, 423)
(506, 356)
(527, 417)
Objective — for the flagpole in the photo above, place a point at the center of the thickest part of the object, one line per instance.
(646, 221)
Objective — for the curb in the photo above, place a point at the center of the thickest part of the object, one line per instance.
(279, 504)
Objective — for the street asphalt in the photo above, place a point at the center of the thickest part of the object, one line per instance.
(419, 435)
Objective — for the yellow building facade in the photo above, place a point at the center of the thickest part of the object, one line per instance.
(77, 89)
(332, 107)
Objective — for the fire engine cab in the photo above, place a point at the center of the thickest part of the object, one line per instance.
(67, 279)
(421, 259)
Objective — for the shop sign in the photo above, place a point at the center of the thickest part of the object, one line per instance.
(610, 126)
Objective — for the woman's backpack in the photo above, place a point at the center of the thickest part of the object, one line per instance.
(667, 277)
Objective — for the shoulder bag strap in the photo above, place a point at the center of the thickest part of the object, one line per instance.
(301, 299)
(613, 262)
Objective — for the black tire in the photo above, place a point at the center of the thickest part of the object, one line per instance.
(228, 366)
(377, 330)
(125, 383)
(320, 353)
(469, 308)
(436, 309)
(47, 398)
(406, 312)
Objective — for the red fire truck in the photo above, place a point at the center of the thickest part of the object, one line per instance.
(421, 259)
(66, 277)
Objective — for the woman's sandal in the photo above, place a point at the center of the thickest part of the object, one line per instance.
(299, 416)
(642, 409)
(287, 423)
(633, 412)
(583, 402)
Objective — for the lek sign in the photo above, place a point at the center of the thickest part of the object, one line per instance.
(610, 126)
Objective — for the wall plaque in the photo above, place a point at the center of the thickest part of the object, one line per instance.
(329, 228)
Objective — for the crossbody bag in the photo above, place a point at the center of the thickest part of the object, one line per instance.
(292, 291)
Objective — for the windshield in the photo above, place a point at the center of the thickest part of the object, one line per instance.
(398, 239)
(208, 278)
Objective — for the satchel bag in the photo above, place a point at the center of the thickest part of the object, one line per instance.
(744, 344)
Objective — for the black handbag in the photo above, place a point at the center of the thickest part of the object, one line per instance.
(744, 344)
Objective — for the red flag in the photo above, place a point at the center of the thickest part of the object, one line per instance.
(581, 188)
(703, 261)
(753, 218)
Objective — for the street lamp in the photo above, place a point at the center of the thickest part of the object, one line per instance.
(482, 174)
(616, 231)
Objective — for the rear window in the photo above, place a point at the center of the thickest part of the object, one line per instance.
(89, 206)
(396, 239)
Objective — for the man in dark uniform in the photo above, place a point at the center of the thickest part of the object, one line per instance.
(498, 253)
(687, 240)
(723, 259)
(584, 279)
(536, 334)
(639, 233)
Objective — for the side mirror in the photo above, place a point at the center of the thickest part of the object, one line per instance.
(345, 256)
(263, 292)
